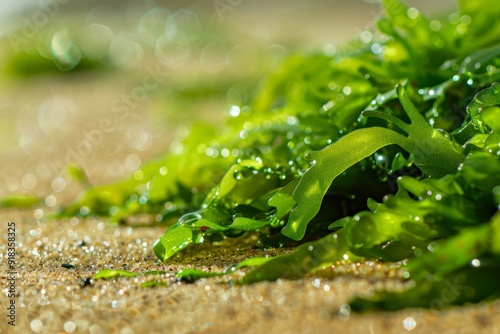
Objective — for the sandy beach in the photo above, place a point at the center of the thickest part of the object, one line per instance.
(48, 119)
(55, 293)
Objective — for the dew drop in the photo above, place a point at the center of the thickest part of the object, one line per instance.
(465, 19)
(36, 325)
(29, 181)
(138, 175)
(326, 107)
(409, 323)
(58, 184)
(366, 37)
(198, 239)
(234, 111)
(38, 214)
(475, 263)
(435, 25)
(50, 201)
(433, 247)
(237, 174)
(344, 312)
(69, 326)
(412, 13)
(444, 133)
(382, 178)
(376, 48)
(189, 218)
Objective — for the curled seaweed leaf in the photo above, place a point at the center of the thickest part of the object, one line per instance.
(486, 98)
(432, 152)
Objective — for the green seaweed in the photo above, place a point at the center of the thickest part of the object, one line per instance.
(190, 275)
(19, 201)
(387, 150)
(433, 153)
(112, 273)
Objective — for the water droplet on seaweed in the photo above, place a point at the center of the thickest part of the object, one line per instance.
(198, 238)
(237, 174)
(444, 133)
(189, 218)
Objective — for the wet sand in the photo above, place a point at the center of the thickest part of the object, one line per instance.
(55, 294)
(56, 259)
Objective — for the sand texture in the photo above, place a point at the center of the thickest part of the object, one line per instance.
(55, 294)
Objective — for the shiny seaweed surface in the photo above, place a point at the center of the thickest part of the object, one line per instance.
(386, 149)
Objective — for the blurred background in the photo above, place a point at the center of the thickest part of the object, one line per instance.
(110, 85)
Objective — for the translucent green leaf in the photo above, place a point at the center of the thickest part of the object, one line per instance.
(173, 240)
(77, 172)
(19, 201)
(112, 273)
(495, 238)
(451, 254)
(304, 259)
